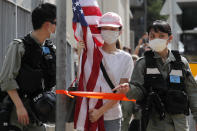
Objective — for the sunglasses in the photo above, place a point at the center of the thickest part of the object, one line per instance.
(53, 22)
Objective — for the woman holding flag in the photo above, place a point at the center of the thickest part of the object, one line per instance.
(118, 65)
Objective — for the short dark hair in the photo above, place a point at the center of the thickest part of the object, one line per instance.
(42, 13)
(160, 25)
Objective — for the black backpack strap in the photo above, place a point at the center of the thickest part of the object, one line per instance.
(176, 55)
(178, 64)
(111, 85)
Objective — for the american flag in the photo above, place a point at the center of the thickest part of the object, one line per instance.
(86, 13)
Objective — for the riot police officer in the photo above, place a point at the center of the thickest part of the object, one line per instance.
(24, 70)
(162, 84)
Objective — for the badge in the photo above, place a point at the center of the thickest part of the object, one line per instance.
(175, 79)
(46, 50)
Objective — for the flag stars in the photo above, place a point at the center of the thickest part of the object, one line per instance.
(74, 9)
(77, 4)
(81, 11)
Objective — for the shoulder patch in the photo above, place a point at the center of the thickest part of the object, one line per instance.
(140, 58)
(184, 60)
(18, 40)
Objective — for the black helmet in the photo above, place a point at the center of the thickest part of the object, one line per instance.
(44, 106)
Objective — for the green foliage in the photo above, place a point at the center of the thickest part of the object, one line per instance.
(153, 10)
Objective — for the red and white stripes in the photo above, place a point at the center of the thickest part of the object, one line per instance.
(90, 66)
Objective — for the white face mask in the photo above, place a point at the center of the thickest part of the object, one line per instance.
(158, 45)
(110, 37)
(52, 36)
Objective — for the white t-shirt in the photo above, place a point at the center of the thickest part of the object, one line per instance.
(118, 65)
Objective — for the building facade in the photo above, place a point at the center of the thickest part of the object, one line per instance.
(15, 21)
(138, 23)
(188, 23)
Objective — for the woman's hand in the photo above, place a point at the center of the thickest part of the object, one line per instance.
(94, 115)
(81, 45)
(22, 114)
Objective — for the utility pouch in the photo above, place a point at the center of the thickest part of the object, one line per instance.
(44, 106)
(5, 110)
(158, 105)
(6, 106)
(146, 110)
(177, 102)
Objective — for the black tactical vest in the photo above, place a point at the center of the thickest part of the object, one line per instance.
(170, 91)
(36, 68)
(49, 65)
